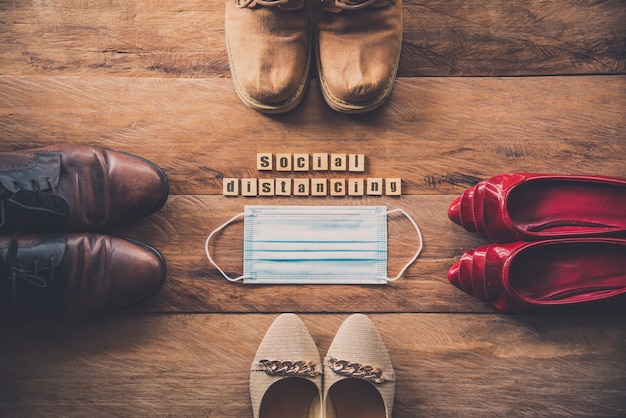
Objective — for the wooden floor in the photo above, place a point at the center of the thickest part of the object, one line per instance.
(484, 87)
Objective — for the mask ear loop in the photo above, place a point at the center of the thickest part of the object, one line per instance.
(208, 254)
(419, 249)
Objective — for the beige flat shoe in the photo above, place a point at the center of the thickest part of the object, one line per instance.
(359, 381)
(286, 374)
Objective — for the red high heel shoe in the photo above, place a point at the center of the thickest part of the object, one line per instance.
(566, 271)
(523, 206)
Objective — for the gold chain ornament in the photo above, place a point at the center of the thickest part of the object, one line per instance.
(289, 368)
(356, 370)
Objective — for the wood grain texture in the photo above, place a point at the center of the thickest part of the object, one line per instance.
(485, 87)
(186, 39)
(194, 285)
(457, 131)
(198, 365)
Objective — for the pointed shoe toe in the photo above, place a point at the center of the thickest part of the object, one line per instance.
(454, 210)
(467, 209)
(461, 273)
(286, 373)
(359, 380)
(519, 275)
(462, 210)
(524, 206)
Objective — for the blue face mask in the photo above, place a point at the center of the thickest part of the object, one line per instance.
(315, 244)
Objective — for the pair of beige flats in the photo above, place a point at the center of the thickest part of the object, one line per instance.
(289, 380)
(274, 46)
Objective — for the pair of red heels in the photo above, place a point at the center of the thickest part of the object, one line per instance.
(557, 240)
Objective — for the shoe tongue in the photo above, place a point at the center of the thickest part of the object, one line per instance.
(18, 171)
(292, 5)
(33, 251)
(336, 6)
(285, 5)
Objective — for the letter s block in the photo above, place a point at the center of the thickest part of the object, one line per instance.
(264, 161)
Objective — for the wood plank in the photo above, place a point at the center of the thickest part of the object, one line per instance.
(194, 285)
(138, 38)
(152, 78)
(503, 38)
(440, 135)
(441, 38)
(179, 231)
(446, 365)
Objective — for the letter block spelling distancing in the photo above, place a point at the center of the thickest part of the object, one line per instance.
(319, 187)
(266, 187)
(318, 161)
(283, 187)
(337, 187)
(393, 187)
(301, 187)
(251, 187)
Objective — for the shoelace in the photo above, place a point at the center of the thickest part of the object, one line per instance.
(267, 3)
(16, 272)
(353, 4)
(40, 202)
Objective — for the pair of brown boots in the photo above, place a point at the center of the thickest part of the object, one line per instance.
(55, 202)
(355, 43)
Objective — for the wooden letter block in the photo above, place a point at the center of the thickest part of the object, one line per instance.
(266, 187)
(356, 162)
(393, 187)
(338, 162)
(230, 187)
(300, 162)
(338, 187)
(374, 187)
(318, 187)
(355, 187)
(320, 161)
(264, 161)
(301, 187)
(283, 187)
(248, 187)
(283, 162)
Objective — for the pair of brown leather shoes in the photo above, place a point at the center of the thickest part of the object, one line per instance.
(356, 44)
(52, 202)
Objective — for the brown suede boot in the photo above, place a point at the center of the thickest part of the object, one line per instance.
(358, 49)
(269, 52)
(76, 274)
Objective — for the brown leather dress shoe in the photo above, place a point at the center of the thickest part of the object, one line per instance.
(76, 274)
(358, 50)
(269, 52)
(71, 187)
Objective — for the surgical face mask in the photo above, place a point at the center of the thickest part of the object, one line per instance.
(315, 244)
